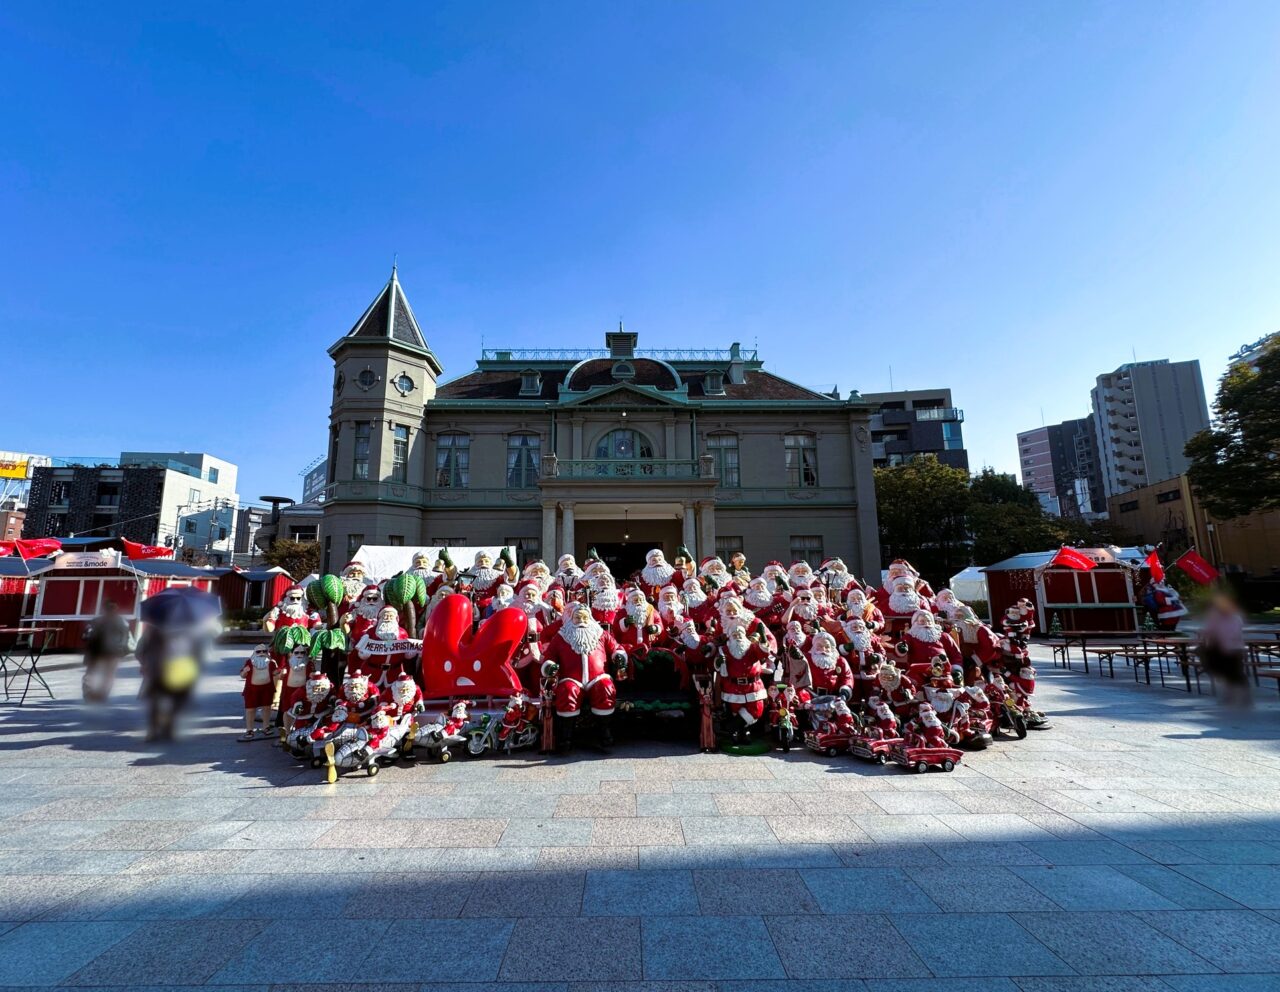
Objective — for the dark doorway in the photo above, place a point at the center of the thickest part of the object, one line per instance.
(623, 559)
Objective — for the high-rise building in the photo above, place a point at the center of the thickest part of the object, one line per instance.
(913, 422)
(1144, 414)
(1059, 463)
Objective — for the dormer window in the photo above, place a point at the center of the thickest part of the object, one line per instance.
(530, 383)
(623, 371)
(713, 383)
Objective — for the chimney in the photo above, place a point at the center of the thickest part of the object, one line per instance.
(737, 368)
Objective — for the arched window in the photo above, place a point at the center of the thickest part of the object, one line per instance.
(802, 460)
(724, 449)
(524, 456)
(623, 445)
(453, 461)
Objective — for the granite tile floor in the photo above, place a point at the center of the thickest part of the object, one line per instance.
(1135, 846)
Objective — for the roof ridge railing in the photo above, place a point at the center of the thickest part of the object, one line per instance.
(581, 354)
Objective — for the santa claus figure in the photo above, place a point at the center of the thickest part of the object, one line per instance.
(922, 643)
(516, 718)
(826, 611)
(309, 711)
(567, 574)
(260, 673)
(656, 573)
(979, 708)
(795, 655)
(804, 609)
(434, 574)
(697, 606)
(775, 577)
(486, 577)
(1164, 604)
(757, 596)
(503, 596)
(841, 718)
(733, 613)
(383, 668)
(738, 570)
(783, 718)
(298, 669)
(741, 669)
(603, 596)
(536, 571)
(527, 659)
(670, 607)
(835, 577)
(978, 644)
(579, 655)
(901, 568)
(829, 672)
(714, 575)
(946, 605)
(291, 611)
(858, 605)
(900, 602)
(896, 689)
(353, 581)
(637, 627)
(1023, 684)
(926, 730)
(800, 576)
(364, 613)
(458, 718)
(861, 648)
(940, 690)
(883, 724)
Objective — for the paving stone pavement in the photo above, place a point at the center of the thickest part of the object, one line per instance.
(1135, 847)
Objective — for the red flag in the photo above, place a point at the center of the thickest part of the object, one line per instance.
(1153, 563)
(1197, 567)
(37, 547)
(134, 551)
(1071, 558)
(6, 549)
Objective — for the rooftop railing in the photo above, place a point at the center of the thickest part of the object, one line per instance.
(579, 354)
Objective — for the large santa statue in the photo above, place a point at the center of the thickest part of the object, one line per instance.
(656, 573)
(637, 627)
(829, 672)
(775, 577)
(670, 607)
(800, 575)
(922, 643)
(978, 643)
(1164, 604)
(353, 582)
(804, 609)
(733, 613)
(857, 605)
(698, 607)
(291, 611)
(741, 668)
(486, 577)
(382, 668)
(580, 654)
(527, 659)
(900, 602)
(603, 596)
(862, 649)
(715, 577)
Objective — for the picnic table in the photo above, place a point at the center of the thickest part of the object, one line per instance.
(21, 649)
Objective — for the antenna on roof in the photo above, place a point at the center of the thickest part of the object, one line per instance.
(891, 378)
(1134, 351)
(395, 258)
(619, 323)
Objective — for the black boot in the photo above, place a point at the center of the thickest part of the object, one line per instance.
(565, 726)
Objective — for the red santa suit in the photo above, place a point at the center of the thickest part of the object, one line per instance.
(583, 656)
(637, 629)
(884, 725)
(927, 729)
(925, 644)
(298, 671)
(741, 686)
(1023, 684)
(289, 613)
(896, 689)
(979, 708)
(382, 669)
(862, 649)
(259, 673)
(403, 697)
(898, 603)
(829, 672)
(527, 659)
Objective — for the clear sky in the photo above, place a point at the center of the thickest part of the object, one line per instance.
(1007, 199)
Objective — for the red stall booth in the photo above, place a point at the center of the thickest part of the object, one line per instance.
(1101, 600)
(19, 584)
(73, 588)
(243, 589)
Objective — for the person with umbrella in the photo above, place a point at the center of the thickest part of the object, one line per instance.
(181, 627)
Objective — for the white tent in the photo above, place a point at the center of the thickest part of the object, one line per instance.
(969, 584)
(381, 561)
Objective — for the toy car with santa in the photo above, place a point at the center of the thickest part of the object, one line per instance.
(924, 744)
(365, 747)
(832, 727)
(878, 734)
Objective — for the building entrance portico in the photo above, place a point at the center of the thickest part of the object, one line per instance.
(576, 526)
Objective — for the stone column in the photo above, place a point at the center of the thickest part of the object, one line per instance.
(689, 536)
(669, 438)
(706, 529)
(567, 538)
(549, 554)
(577, 444)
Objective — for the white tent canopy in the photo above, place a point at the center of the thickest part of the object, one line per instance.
(969, 584)
(381, 561)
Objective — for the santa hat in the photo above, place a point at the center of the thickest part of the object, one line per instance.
(535, 563)
(566, 557)
(354, 564)
(704, 565)
(827, 563)
(668, 588)
(482, 553)
(368, 586)
(628, 590)
(528, 584)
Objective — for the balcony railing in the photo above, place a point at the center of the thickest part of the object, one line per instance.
(642, 469)
(940, 413)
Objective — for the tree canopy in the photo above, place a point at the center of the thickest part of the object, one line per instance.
(298, 558)
(1235, 464)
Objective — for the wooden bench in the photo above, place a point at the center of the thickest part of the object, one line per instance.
(1268, 673)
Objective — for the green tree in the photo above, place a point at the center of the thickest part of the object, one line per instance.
(1235, 464)
(298, 558)
(1006, 519)
(922, 507)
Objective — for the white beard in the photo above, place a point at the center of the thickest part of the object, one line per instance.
(530, 609)
(367, 611)
(425, 574)
(861, 641)
(737, 648)
(605, 599)
(839, 580)
(671, 612)
(657, 575)
(930, 634)
(696, 598)
(826, 660)
(584, 639)
(387, 631)
(806, 611)
(294, 611)
(756, 599)
(904, 602)
(500, 602)
(730, 624)
(801, 580)
(638, 613)
(543, 582)
(354, 587)
(931, 720)
(485, 578)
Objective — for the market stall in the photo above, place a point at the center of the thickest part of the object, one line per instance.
(19, 583)
(243, 589)
(1100, 600)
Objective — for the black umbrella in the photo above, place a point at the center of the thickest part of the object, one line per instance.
(180, 607)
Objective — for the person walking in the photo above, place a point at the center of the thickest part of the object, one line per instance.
(106, 642)
(1222, 649)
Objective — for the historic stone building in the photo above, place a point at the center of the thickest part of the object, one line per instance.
(618, 449)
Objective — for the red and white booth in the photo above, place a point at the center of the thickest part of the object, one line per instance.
(19, 586)
(74, 587)
(1101, 600)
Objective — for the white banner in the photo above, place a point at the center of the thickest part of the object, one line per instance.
(388, 647)
(88, 559)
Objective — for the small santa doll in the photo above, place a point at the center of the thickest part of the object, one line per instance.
(527, 659)
(979, 708)
(857, 604)
(826, 611)
(297, 671)
(603, 597)
(503, 597)
(567, 574)
(883, 724)
(580, 654)
(738, 570)
(259, 672)
(896, 689)
(313, 708)
(841, 718)
(383, 668)
(404, 696)
(961, 723)
(363, 614)
(978, 644)
(741, 669)
(1023, 683)
(829, 671)
(656, 573)
(795, 655)
(804, 609)
(1016, 623)
(516, 717)
(457, 722)
(670, 607)
(922, 643)
(637, 627)
(859, 645)
(486, 577)
(927, 730)
(946, 605)
(782, 714)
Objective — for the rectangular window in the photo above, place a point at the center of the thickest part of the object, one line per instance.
(360, 462)
(304, 533)
(222, 533)
(1169, 497)
(193, 496)
(724, 449)
(453, 461)
(188, 526)
(807, 547)
(802, 461)
(57, 524)
(213, 474)
(399, 453)
(526, 549)
(1126, 507)
(726, 547)
(951, 440)
(449, 542)
(354, 541)
(395, 540)
(524, 458)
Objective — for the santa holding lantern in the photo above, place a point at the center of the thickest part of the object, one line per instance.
(580, 654)
(922, 643)
(486, 577)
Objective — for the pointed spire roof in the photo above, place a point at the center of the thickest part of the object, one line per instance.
(389, 317)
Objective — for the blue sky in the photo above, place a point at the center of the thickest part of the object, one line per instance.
(1006, 199)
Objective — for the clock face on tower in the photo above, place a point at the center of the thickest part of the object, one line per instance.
(404, 384)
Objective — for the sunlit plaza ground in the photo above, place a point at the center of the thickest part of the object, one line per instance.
(1138, 839)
